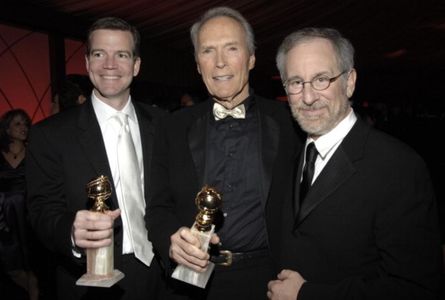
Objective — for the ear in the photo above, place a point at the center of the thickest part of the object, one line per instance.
(350, 84)
(198, 68)
(81, 99)
(252, 61)
(137, 66)
(87, 63)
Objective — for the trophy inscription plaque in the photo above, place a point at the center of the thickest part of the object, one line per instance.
(100, 261)
(208, 201)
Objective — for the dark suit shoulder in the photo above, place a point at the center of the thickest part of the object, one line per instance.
(61, 119)
(186, 116)
(381, 145)
(392, 147)
(276, 109)
(149, 111)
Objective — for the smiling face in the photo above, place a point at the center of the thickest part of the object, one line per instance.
(111, 65)
(18, 129)
(223, 60)
(318, 112)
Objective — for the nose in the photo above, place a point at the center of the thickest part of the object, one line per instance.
(110, 62)
(309, 95)
(220, 59)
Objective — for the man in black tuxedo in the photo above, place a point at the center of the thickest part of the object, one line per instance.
(367, 226)
(244, 156)
(69, 149)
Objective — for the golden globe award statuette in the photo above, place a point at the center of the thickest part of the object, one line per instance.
(208, 201)
(100, 261)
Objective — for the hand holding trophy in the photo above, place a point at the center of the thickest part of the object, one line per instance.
(208, 201)
(100, 261)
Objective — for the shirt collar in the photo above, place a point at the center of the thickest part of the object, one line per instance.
(104, 111)
(248, 102)
(326, 142)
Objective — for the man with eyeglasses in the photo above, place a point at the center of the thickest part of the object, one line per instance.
(361, 221)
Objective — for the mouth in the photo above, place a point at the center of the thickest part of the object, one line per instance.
(223, 78)
(110, 77)
(311, 112)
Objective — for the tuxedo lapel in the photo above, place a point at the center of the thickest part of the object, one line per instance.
(91, 141)
(296, 202)
(269, 140)
(197, 141)
(337, 171)
(146, 130)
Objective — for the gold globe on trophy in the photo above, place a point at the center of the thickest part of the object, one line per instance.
(208, 201)
(100, 261)
(99, 190)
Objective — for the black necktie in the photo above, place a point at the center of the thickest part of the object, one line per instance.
(308, 171)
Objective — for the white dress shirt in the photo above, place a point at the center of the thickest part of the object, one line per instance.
(329, 142)
(110, 131)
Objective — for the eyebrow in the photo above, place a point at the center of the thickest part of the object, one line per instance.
(117, 51)
(232, 43)
(315, 76)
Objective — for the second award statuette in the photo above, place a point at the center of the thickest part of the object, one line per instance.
(208, 201)
(100, 261)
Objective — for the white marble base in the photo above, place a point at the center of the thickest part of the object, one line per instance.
(190, 276)
(100, 268)
(100, 280)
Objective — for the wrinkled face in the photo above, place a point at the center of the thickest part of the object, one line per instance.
(223, 60)
(111, 65)
(318, 112)
(17, 130)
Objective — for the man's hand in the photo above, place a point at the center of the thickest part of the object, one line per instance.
(92, 229)
(185, 249)
(286, 287)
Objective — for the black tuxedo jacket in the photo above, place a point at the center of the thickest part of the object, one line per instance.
(66, 151)
(367, 228)
(179, 158)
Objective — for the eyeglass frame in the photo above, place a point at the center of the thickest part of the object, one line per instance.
(330, 80)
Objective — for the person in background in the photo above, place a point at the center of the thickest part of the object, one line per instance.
(14, 128)
(186, 100)
(237, 142)
(72, 92)
(70, 149)
(70, 95)
(15, 239)
(361, 222)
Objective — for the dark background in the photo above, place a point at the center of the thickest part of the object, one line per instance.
(400, 53)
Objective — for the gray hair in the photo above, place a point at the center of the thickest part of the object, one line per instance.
(223, 11)
(343, 47)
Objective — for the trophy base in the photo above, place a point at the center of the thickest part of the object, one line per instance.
(190, 276)
(100, 280)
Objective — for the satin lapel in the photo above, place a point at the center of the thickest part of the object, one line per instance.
(146, 130)
(91, 141)
(269, 140)
(337, 171)
(296, 198)
(197, 144)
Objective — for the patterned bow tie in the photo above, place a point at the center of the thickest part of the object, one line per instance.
(220, 112)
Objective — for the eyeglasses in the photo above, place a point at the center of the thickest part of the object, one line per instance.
(319, 83)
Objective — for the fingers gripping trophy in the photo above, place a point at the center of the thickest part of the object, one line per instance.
(208, 201)
(100, 261)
